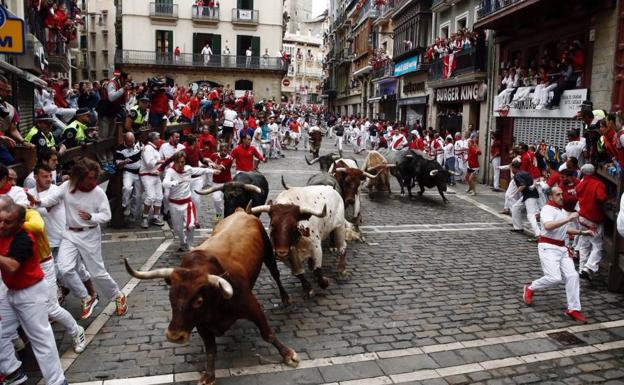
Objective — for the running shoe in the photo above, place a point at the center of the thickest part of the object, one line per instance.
(144, 223)
(88, 306)
(120, 304)
(16, 378)
(576, 315)
(527, 295)
(158, 221)
(79, 340)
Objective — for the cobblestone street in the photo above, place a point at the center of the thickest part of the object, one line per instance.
(432, 296)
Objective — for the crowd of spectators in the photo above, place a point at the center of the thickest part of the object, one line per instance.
(458, 41)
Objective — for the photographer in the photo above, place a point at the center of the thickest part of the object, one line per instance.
(157, 92)
(113, 99)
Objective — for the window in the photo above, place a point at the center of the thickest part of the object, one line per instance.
(461, 21)
(244, 4)
(164, 41)
(444, 29)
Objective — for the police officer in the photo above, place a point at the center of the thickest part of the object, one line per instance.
(137, 117)
(75, 133)
(41, 136)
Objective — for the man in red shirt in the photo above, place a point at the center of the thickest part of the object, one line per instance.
(190, 109)
(224, 162)
(207, 142)
(159, 107)
(27, 293)
(473, 167)
(294, 130)
(244, 153)
(528, 162)
(591, 193)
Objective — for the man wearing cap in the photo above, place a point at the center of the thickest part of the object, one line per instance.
(138, 116)
(75, 133)
(591, 194)
(41, 136)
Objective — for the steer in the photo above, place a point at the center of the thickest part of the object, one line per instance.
(375, 162)
(212, 287)
(301, 218)
(245, 187)
(315, 142)
(349, 178)
(324, 161)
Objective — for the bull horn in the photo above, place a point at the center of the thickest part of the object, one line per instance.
(153, 274)
(340, 169)
(210, 190)
(284, 183)
(222, 284)
(369, 175)
(249, 206)
(310, 163)
(261, 209)
(335, 157)
(251, 188)
(434, 172)
(390, 165)
(316, 213)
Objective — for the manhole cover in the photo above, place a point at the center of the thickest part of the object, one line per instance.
(566, 338)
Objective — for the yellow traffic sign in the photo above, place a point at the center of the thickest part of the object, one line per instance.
(12, 34)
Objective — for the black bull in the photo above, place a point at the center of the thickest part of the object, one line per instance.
(413, 167)
(245, 187)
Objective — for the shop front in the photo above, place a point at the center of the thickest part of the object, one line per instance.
(459, 107)
(412, 103)
(383, 105)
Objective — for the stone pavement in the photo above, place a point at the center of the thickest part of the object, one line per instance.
(432, 297)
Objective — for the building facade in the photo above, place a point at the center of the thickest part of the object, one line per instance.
(174, 33)
(302, 83)
(96, 57)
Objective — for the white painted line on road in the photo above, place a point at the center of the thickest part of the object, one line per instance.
(483, 207)
(411, 376)
(121, 240)
(68, 358)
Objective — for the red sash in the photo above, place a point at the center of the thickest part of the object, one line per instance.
(190, 210)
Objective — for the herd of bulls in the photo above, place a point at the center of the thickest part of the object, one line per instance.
(212, 287)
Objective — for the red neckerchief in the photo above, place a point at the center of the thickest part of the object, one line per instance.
(554, 204)
(83, 189)
(6, 188)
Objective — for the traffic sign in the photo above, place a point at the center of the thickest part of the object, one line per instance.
(286, 82)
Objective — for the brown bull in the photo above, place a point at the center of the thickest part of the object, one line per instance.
(375, 162)
(315, 142)
(212, 287)
(349, 178)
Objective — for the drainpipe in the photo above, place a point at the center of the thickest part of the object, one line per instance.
(491, 71)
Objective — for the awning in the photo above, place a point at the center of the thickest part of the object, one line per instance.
(415, 100)
(23, 74)
(374, 100)
(363, 71)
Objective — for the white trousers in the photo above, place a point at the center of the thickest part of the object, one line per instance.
(198, 183)
(339, 140)
(153, 190)
(8, 331)
(511, 195)
(558, 267)
(55, 311)
(590, 248)
(502, 98)
(131, 184)
(81, 269)
(178, 220)
(30, 306)
(88, 245)
(496, 161)
(460, 165)
(217, 200)
(532, 208)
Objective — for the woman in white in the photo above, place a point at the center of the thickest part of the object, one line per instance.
(183, 214)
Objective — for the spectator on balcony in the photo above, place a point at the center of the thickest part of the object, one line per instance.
(577, 55)
(265, 58)
(211, 5)
(206, 52)
(176, 54)
(512, 82)
(199, 8)
(216, 9)
(248, 54)
(567, 81)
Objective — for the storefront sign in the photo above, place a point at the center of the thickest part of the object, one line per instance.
(406, 66)
(474, 92)
(12, 34)
(570, 104)
(387, 88)
(410, 88)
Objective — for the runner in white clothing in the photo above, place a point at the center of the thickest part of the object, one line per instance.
(150, 178)
(183, 214)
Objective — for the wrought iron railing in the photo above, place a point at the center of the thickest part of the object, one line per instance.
(490, 7)
(468, 60)
(203, 13)
(199, 60)
(164, 10)
(387, 70)
(245, 15)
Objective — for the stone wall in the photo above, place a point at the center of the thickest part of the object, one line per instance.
(603, 59)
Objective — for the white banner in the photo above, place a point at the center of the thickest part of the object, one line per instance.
(245, 14)
(571, 101)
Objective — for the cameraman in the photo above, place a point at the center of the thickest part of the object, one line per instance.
(9, 120)
(159, 97)
(112, 103)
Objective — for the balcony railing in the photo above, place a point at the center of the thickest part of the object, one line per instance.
(246, 16)
(164, 10)
(385, 71)
(469, 60)
(386, 9)
(490, 7)
(205, 14)
(198, 60)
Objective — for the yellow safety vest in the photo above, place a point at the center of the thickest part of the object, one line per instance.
(140, 118)
(50, 142)
(81, 130)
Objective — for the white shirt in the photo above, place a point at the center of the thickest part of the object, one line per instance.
(398, 142)
(575, 149)
(549, 214)
(167, 150)
(229, 116)
(19, 196)
(54, 217)
(95, 202)
(449, 151)
(149, 158)
(206, 51)
(30, 184)
(248, 52)
(179, 184)
(620, 217)
(273, 130)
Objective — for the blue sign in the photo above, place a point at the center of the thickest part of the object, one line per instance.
(406, 66)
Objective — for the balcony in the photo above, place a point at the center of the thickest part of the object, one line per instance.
(467, 61)
(205, 15)
(164, 12)
(199, 62)
(493, 13)
(386, 71)
(247, 17)
(384, 12)
(441, 5)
